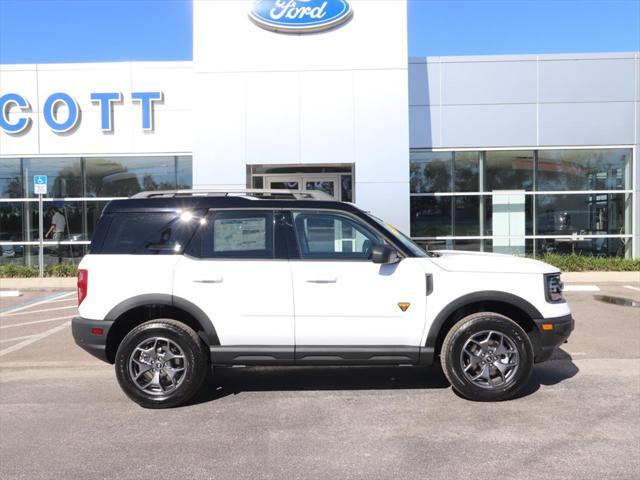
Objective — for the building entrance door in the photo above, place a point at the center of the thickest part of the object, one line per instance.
(327, 183)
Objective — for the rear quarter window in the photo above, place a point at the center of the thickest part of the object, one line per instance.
(148, 233)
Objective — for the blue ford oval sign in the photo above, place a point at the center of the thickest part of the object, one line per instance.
(300, 16)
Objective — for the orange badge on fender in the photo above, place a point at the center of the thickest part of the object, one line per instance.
(403, 306)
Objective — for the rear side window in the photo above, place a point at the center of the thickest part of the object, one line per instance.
(148, 233)
(239, 234)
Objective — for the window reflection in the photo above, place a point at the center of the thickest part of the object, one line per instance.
(123, 177)
(509, 170)
(10, 178)
(430, 216)
(586, 214)
(64, 177)
(562, 170)
(466, 171)
(430, 172)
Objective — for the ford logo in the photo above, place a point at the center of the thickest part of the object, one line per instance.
(300, 16)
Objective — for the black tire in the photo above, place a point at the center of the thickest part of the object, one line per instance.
(195, 362)
(454, 361)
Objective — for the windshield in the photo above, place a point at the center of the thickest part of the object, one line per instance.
(401, 237)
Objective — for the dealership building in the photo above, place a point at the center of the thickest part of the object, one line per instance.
(515, 154)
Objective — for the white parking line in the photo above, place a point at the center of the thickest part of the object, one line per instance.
(29, 305)
(35, 338)
(9, 340)
(581, 288)
(36, 311)
(35, 322)
(632, 288)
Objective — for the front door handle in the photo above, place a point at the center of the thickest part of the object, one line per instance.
(209, 280)
(322, 280)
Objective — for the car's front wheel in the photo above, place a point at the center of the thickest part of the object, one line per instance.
(161, 363)
(487, 357)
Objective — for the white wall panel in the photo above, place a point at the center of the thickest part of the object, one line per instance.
(424, 83)
(477, 83)
(381, 126)
(424, 127)
(609, 123)
(488, 125)
(387, 200)
(273, 117)
(219, 147)
(326, 117)
(587, 80)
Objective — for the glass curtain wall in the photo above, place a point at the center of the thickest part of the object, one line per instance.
(78, 190)
(524, 201)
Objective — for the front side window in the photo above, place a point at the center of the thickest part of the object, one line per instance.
(333, 236)
(239, 234)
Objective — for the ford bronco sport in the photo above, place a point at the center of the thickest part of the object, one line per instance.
(178, 282)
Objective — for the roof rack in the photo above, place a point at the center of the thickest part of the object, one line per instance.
(243, 192)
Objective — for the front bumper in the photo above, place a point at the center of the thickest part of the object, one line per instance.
(86, 334)
(547, 341)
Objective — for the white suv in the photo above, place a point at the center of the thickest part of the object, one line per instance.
(177, 282)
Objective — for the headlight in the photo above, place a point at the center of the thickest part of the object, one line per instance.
(553, 287)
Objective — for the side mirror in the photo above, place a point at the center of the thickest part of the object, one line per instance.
(384, 254)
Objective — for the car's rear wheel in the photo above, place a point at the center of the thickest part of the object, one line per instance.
(161, 363)
(487, 357)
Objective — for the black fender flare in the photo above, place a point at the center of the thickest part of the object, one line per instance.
(475, 297)
(208, 333)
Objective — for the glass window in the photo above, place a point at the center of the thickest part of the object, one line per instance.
(430, 172)
(467, 216)
(604, 247)
(185, 172)
(11, 222)
(466, 172)
(431, 216)
(11, 178)
(64, 176)
(561, 170)
(508, 170)
(126, 176)
(239, 234)
(331, 236)
(586, 214)
(346, 182)
(146, 233)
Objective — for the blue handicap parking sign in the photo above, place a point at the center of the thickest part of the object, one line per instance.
(40, 184)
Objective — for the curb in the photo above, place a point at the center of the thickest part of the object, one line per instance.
(601, 277)
(67, 283)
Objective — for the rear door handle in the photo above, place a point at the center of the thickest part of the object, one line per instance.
(322, 280)
(209, 280)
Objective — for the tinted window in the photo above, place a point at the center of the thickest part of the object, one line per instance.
(331, 236)
(239, 234)
(148, 233)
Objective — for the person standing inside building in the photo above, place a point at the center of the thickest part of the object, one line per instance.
(57, 229)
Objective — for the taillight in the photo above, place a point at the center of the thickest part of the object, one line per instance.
(83, 283)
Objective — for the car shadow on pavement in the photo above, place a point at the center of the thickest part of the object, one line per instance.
(232, 381)
(558, 368)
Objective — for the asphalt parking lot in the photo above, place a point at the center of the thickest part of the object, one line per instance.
(63, 416)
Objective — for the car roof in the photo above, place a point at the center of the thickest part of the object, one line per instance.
(209, 202)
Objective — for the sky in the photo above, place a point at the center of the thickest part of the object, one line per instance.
(50, 31)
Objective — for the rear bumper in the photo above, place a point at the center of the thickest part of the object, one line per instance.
(91, 340)
(548, 340)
